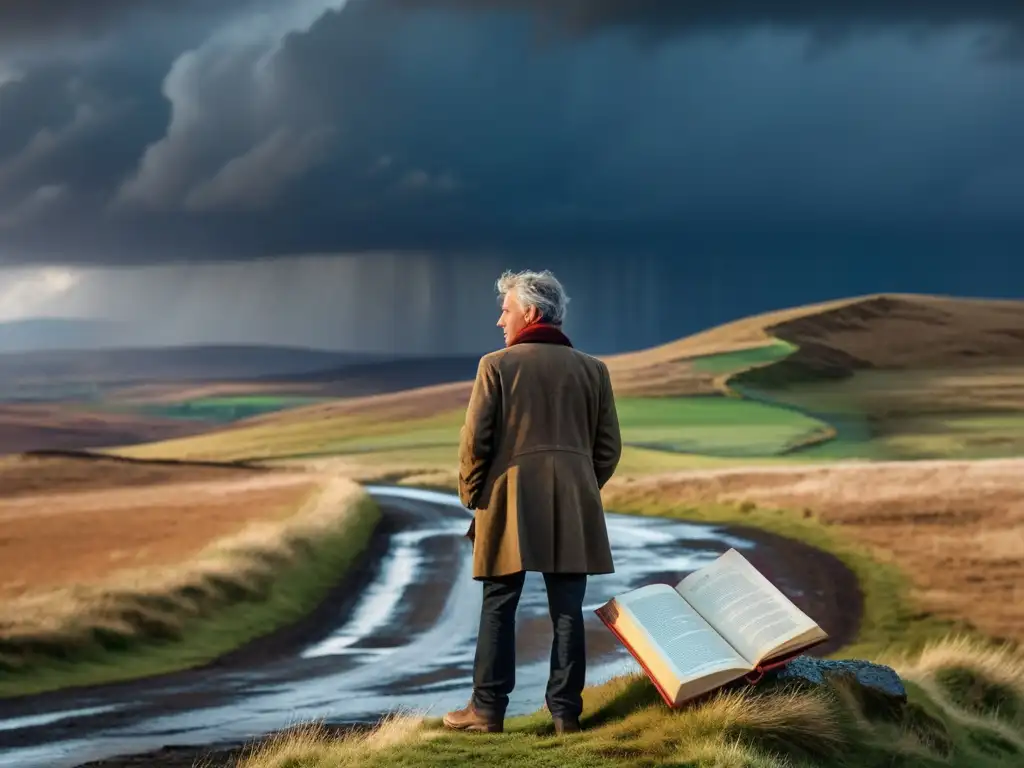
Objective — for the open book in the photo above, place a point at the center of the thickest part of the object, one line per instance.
(723, 622)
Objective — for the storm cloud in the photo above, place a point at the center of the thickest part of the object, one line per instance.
(273, 128)
(20, 19)
(29, 21)
(655, 20)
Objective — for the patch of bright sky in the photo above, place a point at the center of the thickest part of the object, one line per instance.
(34, 291)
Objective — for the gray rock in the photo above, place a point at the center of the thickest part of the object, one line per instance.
(878, 686)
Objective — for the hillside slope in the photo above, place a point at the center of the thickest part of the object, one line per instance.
(902, 333)
(982, 340)
(56, 371)
(42, 426)
(833, 339)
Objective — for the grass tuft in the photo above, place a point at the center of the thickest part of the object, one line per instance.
(978, 684)
(317, 746)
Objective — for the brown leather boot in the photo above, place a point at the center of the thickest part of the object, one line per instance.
(566, 725)
(469, 718)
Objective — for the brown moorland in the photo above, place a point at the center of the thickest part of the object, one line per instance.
(954, 528)
(835, 339)
(28, 474)
(931, 376)
(74, 533)
(901, 331)
(852, 325)
(210, 557)
(25, 427)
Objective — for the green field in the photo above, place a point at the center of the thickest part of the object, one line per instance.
(714, 426)
(710, 426)
(899, 415)
(227, 409)
(743, 359)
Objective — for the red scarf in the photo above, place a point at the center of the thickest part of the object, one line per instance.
(541, 333)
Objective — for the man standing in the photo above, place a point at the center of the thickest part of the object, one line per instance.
(540, 440)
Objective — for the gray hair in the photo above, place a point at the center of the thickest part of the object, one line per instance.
(536, 289)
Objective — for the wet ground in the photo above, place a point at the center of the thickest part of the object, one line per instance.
(399, 634)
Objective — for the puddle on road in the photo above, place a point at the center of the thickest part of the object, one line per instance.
(383, 598)
(35, 721)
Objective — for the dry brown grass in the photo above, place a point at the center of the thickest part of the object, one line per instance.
(897, 331)
(885, 330)
(313, 744)
(57, 539)
(955, 528)
(39, 426)
(739, 334)
(137, 563)
(32, 474)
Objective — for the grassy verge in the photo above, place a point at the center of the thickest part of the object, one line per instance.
(965, 708)
(267, 577)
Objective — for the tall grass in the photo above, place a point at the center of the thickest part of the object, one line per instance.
(626, 724)
(238, 588)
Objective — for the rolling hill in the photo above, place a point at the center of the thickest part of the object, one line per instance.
(886, 376)
(58, 333)
(42, 426)
(116, 367)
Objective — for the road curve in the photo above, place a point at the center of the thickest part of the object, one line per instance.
(406, 642)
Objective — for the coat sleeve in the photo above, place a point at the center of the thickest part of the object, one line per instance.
(478, 436)
(608, 445)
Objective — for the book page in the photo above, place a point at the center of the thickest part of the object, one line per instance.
(688, 644)
(746, 609)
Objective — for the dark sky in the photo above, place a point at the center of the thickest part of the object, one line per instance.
(368, 168)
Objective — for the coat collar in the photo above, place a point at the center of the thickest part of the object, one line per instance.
(541, 333)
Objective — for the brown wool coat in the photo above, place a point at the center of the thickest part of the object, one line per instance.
(541, 438)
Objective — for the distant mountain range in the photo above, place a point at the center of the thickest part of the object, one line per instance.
(50, 333)
(376, 377)
(121, 366)
(42, 354)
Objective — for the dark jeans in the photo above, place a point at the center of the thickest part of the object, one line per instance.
(494, 669)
